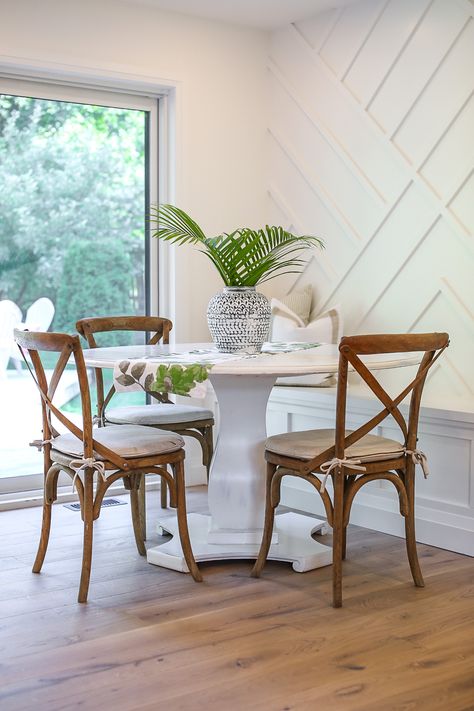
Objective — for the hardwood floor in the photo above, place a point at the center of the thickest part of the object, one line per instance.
(154, 639)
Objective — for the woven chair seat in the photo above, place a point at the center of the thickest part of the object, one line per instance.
(129, 441)
(163, 414)
(310, 443)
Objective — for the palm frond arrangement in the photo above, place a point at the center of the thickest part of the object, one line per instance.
(244, 257)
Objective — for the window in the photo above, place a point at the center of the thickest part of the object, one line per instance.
(76, 177)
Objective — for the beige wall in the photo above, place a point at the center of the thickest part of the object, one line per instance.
(221, 121)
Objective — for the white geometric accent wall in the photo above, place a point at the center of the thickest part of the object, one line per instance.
(371, 127)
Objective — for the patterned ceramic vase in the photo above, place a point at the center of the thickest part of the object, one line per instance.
(239, 319)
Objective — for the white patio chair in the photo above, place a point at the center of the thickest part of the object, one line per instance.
(10, 318)
(38, 318)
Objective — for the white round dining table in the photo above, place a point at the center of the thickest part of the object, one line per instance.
(236, 493)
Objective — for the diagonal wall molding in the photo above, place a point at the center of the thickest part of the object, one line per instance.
(412, 265)
(325, 131)
(401, 158)
(393, 278)
(418, 98)
(392, 65)
(325, 264)
(326, 198)
(346, 274)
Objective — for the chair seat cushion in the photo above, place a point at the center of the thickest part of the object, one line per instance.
(308, 444)
(164, 414)
(129, 441)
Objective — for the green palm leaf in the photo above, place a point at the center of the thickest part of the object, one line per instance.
(176, 225)
(244, 257)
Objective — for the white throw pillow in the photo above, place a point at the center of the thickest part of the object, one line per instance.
(298, 302)
(288, 326)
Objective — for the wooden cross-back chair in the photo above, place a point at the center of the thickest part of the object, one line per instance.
(353, 458)
(107, 454)
(187, 420)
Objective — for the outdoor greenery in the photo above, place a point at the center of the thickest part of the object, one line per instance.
(118, 400)
(98, 284)
(244, 257)
(71, 207)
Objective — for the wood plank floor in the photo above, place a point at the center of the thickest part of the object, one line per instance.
(153, 639)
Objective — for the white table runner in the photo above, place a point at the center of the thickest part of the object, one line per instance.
(185, 373)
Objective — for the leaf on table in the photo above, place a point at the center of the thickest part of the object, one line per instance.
(123, 365)
(138, 370)
(125, 380)
(149, 381)
(178, 379)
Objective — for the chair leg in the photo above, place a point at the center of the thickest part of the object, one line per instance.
(410, 527)
(142, 505)
(164, 494)
(344, 542)
(347, 483)
(136, 519)
(268, 524)
(44, 537)
(183, 521)
(207, 459)
(338, 538)
(49, 497)
(88, 510)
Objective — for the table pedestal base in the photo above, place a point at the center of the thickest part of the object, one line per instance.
(295, 544)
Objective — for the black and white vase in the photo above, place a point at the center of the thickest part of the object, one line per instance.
(239, 319)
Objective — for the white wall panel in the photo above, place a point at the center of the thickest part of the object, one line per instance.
(442, 311)
(442, 252)
(336, 112)
(438, 104)
(305, 200)
(347, 38)
(452, 159)
(317, 30)
(323, 165)
(426, 49)
(450, 478)
(463, 206)
(415, 301)
(384, 254)
(450, 471)
(383, 46)
(381, 95)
